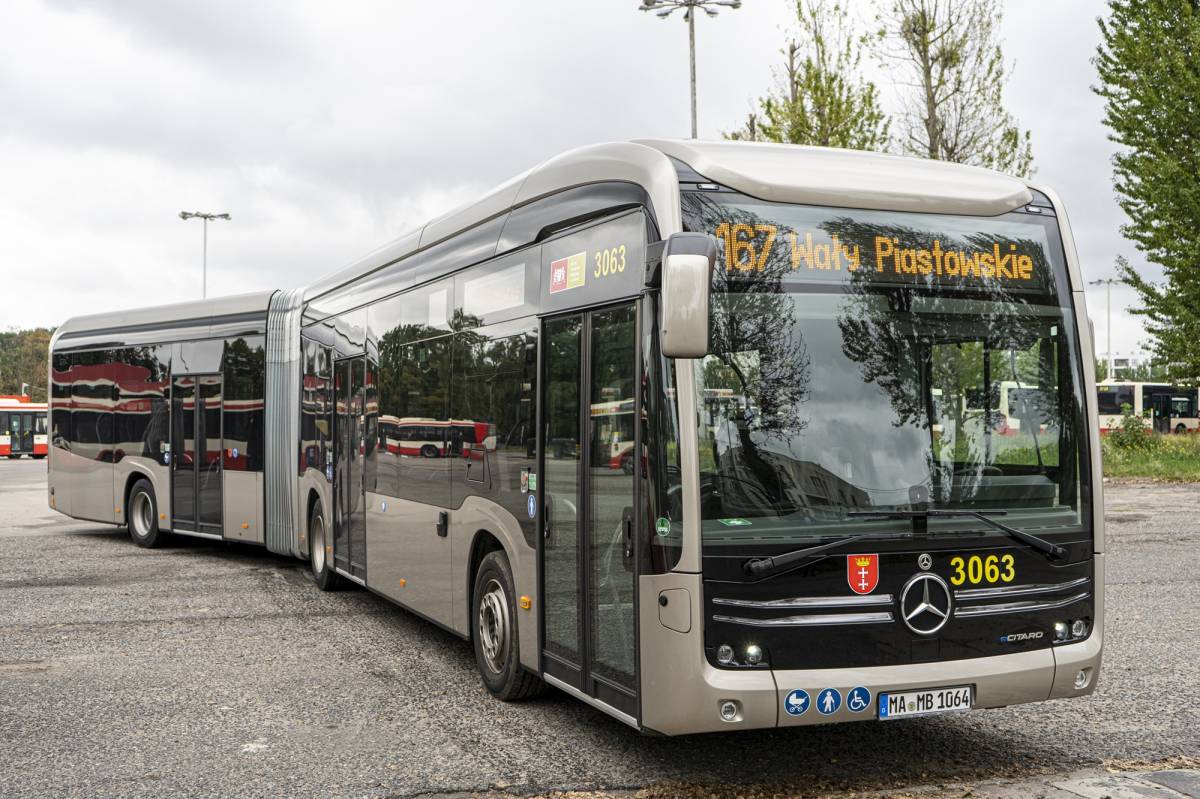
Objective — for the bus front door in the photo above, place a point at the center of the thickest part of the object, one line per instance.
(588, 530)
(349, 514)
(196, 448)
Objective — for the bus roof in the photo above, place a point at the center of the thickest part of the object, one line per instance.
(776, 172)
(193, 314)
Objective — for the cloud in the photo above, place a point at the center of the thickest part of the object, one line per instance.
(327, 129)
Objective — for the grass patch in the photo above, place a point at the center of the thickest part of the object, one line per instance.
(1169, 458)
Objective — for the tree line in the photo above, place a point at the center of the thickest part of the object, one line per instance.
(945, 59)
(23, 361)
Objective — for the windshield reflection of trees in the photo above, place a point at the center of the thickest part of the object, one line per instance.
(943, 362)
(930, 346)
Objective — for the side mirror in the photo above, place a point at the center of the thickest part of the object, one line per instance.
(687, 266)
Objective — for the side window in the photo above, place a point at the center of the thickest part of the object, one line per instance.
(314, 408)
(498, 291)
(492, 401)
(140, 417)
(413, 386)
(60, 401)
(245, 364)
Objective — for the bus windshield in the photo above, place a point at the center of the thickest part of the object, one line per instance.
(864, 360)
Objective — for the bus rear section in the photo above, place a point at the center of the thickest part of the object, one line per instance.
(22, 427)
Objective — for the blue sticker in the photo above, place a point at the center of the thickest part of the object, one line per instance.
(858, 700)
(235, 453)
(796, 703)
(329, 472)
(167, 458)
(828, 701)
(531, 505)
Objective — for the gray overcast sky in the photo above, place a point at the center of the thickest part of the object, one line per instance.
(326, 129)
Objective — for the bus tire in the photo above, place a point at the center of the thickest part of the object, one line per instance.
(429, 451)
(494, 633)
(143, 516)
(318, 555)
(1180, 429)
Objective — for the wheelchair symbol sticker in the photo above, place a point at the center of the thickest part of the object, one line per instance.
(858, 700)
(531, 505)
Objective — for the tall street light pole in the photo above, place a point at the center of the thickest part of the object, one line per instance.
(186, 215)
(1108, 284)
(664, 9)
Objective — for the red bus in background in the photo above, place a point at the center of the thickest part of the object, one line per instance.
(434, 438)
(22, 427)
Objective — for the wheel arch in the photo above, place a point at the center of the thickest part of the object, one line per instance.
(482, 543)
(136, 474)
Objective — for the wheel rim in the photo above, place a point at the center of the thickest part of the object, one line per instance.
(317, 543)
(494, 626)
(142, 516)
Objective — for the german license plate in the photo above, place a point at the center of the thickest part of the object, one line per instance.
(903, 704)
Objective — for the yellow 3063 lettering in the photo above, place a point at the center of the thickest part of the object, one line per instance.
(610, 261)
(976, 570)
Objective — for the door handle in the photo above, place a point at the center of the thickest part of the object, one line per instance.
(628, 522)
(443, 524)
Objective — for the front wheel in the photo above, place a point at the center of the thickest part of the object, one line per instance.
(497, 653)
(143, 516)
(318, 551)
(1180, 429)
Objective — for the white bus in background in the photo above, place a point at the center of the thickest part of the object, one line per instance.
(1164, 408)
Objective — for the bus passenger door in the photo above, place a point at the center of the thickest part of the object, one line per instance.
(196, 453)
(350, 523)
(588, 528)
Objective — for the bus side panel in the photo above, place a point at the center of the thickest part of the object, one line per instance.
(480, 514)
(407, 560)
(242, 497)
(132, 467)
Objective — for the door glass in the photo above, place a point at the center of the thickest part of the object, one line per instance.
(343, 432)
(208, 450)
(354, 489)
(610, 493)
(561, 546)
(183, 450)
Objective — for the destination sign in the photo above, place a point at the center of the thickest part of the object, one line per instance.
(916, 256)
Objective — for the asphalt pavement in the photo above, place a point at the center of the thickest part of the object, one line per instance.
(210, 669)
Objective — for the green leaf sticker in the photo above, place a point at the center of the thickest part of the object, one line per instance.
(533, 481)
(662, 527)
(735, 522)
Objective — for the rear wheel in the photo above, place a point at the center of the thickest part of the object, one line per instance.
(497, 653)
(1180, 429)
(142, 509)
(318, 553)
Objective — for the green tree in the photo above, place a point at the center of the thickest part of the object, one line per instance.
(821, 98)
(23, 359)
(1149, 66)
(947, 60)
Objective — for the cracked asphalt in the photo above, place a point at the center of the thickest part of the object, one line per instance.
(208, 669)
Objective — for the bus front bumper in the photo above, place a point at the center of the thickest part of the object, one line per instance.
(683, 693)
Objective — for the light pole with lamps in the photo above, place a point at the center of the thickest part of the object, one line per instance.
(186, 215)
(664, 9)
(1107, 282)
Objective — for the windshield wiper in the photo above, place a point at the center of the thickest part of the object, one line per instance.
(764, 567)
(1050, 550)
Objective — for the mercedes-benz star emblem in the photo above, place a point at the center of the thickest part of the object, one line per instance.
(925, 561)
(925, 603)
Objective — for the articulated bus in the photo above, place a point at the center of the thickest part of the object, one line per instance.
(685, 430)
(1163, 408)
(22, 427)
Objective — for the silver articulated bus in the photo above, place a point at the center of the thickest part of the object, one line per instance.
(707, 435)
